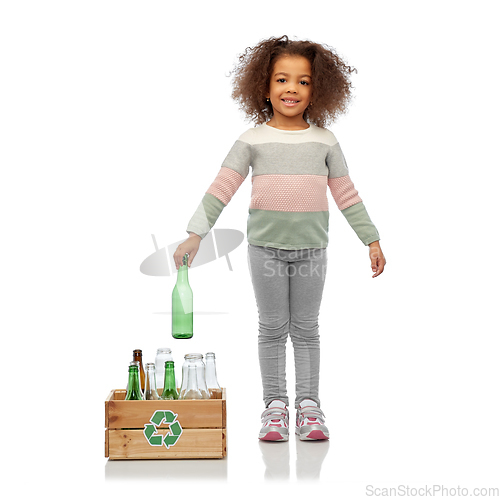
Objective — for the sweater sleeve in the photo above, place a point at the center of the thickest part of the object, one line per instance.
(230, 177)
(347, 197)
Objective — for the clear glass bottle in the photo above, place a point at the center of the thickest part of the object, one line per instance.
(142, 375)
(133, 389)
(193, 385)
(182, 304)
(211, 377)
(169, 386)
(163, 354)
(150, 389)
(190, 389)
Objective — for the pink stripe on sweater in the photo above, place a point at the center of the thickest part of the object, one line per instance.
(225, 184)
(289, 193)
(343, 191)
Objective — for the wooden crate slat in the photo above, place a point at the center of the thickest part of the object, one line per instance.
(191, 413)
(193, 443)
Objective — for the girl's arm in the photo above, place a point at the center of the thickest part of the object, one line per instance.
(230, 177)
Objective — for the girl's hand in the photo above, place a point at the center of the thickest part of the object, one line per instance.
(377, 259)
(190, 246)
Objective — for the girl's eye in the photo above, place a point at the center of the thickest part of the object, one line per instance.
(281, 80)
(303, 82)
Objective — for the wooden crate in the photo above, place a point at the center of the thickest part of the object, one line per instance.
(188, 428)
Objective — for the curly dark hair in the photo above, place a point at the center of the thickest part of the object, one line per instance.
(331, 85)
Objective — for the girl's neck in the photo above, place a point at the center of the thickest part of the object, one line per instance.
(275, 122)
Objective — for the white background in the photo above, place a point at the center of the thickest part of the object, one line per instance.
(115, 117)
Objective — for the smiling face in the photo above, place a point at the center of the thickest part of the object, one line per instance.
(290, 91)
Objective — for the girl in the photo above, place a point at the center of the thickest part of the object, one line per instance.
(291, 90)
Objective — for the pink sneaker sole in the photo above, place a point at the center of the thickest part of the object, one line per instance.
(273, 436)
(314, 436)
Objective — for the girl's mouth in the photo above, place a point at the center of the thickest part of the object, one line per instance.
(289, 102)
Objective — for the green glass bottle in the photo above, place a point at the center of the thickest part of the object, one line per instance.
(133, 388)
(182, 304)
(169, 389)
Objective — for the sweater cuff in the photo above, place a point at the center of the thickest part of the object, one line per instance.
(360, 221)
(206, 214)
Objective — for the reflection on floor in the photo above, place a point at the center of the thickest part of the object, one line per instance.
(309, 456)
(308, 461)
(178, 470)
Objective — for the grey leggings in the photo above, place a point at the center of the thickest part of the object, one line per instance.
(288, 286)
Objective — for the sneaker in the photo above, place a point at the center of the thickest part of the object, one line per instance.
(310, 423)
(275, 422)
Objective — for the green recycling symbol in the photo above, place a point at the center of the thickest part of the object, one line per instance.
(174, 431)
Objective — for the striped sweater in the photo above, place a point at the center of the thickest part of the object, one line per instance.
(291, 170)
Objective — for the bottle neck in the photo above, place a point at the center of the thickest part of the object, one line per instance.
(169, 382)
(134, 389)
(133, 376)
(150, 379)
(211, 374)
(182, 274)
(150, 391)
(192, 381)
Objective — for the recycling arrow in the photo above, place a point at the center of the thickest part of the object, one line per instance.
(150, 433)
(174, 430)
